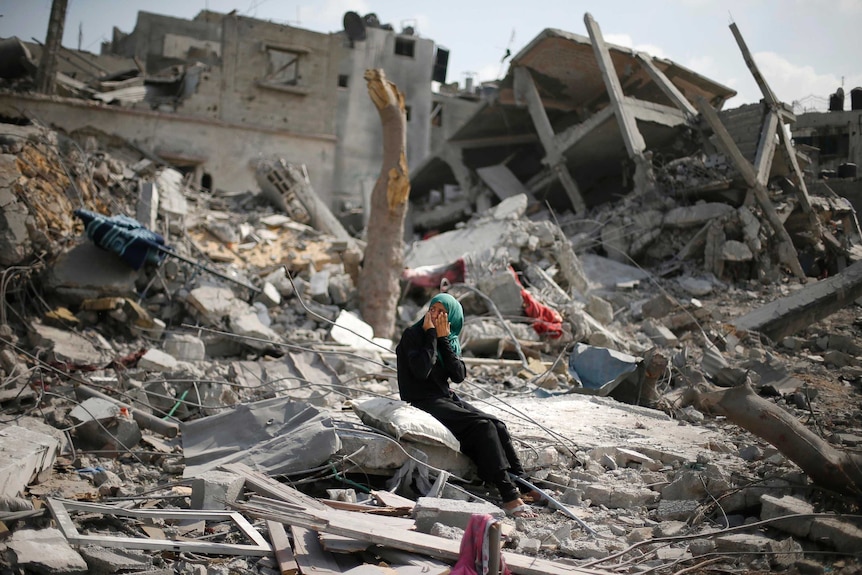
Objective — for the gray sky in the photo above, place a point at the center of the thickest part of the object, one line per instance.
(805, 48)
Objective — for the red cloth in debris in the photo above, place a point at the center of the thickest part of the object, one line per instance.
(430, 276)
(548, 321)
(473, 556)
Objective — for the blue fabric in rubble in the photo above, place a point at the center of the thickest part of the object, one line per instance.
(599, 370)
(124, 236)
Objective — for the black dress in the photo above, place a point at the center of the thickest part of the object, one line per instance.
(423, 381)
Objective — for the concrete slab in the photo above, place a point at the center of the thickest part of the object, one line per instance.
(45, 551)
(24, 456)
(88, 272)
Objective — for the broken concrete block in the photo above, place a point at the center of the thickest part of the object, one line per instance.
(659, 333)
(620, 497)
(25, 455)
(172, 201)
(320, 287)
(341, 289)
(781, 553)
(184, 347)
(279, 279)
(45, 551)
(676, 509)
(155, 360)
(837, 533)
(351, 331)
(600, 309)
(64, 346)
(147, 209)
(269, 295)
(15, 243)
(659, 306)
(212, 303)
(734, 251)
(89, 272)
(106, 561)
(696, 215)
(431, 510)
(772, 507)
(215, 489)
(246, 322)
(512, 208)
(103, 423)
(504, 290)
(695, 286)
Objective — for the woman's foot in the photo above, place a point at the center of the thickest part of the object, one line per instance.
(534, 497)
(517, 508)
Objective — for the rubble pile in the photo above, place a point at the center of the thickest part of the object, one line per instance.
(146, 412)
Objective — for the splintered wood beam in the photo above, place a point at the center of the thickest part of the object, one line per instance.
(632, 137)
(525, 90)
(663, 82)
(787, 252)
(766, 148)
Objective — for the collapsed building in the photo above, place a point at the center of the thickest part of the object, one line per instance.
(659, 244)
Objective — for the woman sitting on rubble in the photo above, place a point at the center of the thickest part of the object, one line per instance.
(428, 356)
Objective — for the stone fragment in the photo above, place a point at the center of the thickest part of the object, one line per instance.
(696, 215)
(185, 347)
(103, 423)
(45, 551)
(106, 561)
(659, 334)
(65, 347)
(431, 510)
(24, 455)
(215, 489)
(679, 509)
(156, 360)
(773, 507)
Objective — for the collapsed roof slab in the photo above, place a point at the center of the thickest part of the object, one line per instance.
(565, 72)
(786, 316)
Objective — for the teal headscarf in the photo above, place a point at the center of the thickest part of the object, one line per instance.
(456, 318)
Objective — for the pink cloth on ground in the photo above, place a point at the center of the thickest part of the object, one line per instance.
(473, 556)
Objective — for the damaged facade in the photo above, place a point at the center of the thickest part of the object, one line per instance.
(646, 277)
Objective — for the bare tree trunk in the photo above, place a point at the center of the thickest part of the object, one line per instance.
(384, 253)
(828, 467)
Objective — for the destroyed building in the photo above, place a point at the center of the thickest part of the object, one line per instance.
(217, 94)
(669, 331)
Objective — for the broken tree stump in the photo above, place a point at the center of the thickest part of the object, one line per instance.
(827, 466)
(384, 253)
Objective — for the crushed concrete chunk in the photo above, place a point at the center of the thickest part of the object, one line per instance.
(45, 551)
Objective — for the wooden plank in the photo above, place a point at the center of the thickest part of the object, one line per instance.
(281, 545)
(632, 137)
(392, 499)
(663, 82)
(526, 89)
(368, 528)
(310, 555)
(766, 148)
(787, 252)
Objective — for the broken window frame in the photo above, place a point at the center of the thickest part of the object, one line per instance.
(281, 59)
(405, 47)
(60, 510)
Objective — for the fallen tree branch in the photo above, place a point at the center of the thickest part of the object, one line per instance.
(828, 467)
